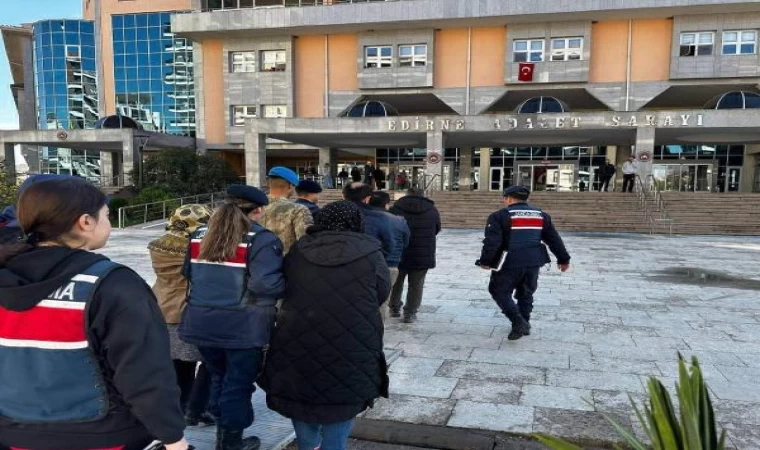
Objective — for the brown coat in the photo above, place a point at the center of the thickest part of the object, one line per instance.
(170, 287)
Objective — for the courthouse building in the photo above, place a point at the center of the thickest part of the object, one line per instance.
(458, 94)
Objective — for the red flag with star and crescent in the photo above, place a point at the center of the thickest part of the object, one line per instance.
(526, 71)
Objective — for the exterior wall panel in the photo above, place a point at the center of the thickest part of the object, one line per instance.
(309, 85)
(343, 75)
(650, 52)
(609, 48)
(213, 92)
(451, 58)
(488, 53)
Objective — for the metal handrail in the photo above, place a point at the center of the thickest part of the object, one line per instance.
(644, 203)
(142, 214)
(426, 186)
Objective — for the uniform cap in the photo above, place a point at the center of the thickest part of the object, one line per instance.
(517, 191)
(309, 186)
(248, 193)
(284, 173)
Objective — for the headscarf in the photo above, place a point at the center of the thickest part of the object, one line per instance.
(340, 216)
(183, 223)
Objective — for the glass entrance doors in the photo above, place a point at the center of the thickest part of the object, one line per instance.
(684, 177)
(733, 179)
(547, 177)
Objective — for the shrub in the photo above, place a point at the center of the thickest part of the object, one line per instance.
(184, 173)
(8, 190)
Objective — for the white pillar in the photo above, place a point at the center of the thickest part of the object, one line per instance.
(645, 149)
(485, 170)
(465, 169)
(434, 160)
(255, 159)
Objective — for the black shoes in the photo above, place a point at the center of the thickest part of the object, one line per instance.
(233, 440)
(519, 329)
(395, 313)
(204, 419)
(410, 318)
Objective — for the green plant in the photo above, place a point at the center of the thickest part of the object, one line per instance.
(184, 173)
(151, 194)
(693, 429)
(8, 189)
(114, 205)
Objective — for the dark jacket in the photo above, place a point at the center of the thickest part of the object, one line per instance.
(313, 208)
(356, 174)
(519, 229)
(377, 224)
(232, 304)
(607, 170)
(401, 234)
(129, 341)
(326, 362)
(424, 223)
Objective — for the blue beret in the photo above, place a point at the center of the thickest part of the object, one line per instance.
(520, 191)
(309, 186)
(284, 173)
(248, 193)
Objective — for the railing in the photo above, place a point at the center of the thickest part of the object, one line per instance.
(130, 216)
(226, 5)
(106, 181)
(429, 185)
(655, 223)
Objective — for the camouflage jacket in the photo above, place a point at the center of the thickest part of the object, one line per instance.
(286, 220)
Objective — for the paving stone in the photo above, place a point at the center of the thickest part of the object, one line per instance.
(423, 386)
(743, 391)
(593, 380)
(487, 391)
(450, 328)
(423, 367)
(434, 351)
(618, 402)
(557, 397)
(615, 365)
(472, 340)
(492, 416)
(546, 346)
(586, 425)
(521, 358)
(492, 372)
(736, 411)
(411, 409)
(743, 437)
(467, 311)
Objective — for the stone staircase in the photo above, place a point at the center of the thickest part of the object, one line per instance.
(706, 213)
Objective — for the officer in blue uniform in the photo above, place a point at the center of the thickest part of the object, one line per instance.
(514, 251)
(308, 195)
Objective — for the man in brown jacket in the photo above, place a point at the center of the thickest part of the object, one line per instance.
(287, 220)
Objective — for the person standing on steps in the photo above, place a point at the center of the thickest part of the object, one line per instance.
(308, 196)
(424, 223)
(630, 168)
(514, 252)
(606, 172)
(287, 220)
(235, 270)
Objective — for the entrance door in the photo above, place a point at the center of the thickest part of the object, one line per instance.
(733, 179)
(497, 179)
(547, 177)
(683, 177)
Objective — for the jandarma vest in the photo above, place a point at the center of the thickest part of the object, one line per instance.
(48, 371)
(219, 284)
(524, 239)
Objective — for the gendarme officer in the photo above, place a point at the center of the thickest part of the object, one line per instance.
(512, 248)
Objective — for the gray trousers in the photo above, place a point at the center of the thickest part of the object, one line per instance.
(414, 293)
(384, 306)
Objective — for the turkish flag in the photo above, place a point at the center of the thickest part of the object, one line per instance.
(526, 71)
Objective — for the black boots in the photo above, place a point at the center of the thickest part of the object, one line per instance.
(204, 419)
(233, 440)
(520, 328)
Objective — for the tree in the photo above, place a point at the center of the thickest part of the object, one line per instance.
(8, 189)
(184, 172)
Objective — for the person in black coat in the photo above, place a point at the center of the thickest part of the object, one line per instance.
(424, 223)
(606, 172)
(326, 363)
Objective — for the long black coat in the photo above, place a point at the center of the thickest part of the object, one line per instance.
(425, 223)
(326, 362)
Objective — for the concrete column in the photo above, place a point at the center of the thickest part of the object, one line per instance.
(465, 169)
(10, 158)
(255, 159)
(645, 144)
(485, 170)
(130, 160)
(749, 168)
(434, 160)
(328, 156)
(106, 169)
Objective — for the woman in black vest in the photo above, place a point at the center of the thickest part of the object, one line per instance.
(83, 346)
(326, 362)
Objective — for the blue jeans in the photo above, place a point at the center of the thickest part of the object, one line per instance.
(233, 373)
(332, 436)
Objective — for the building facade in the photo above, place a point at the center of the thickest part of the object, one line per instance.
(463, 95)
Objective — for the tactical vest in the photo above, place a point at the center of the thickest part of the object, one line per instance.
(527, 224)
(218, 284)
(48, 370)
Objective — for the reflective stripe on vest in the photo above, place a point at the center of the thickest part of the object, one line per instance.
(47, 368)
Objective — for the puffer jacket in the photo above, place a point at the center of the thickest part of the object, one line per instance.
(424, 223)
(326, 362)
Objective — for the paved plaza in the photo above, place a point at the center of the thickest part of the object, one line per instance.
(628, 305)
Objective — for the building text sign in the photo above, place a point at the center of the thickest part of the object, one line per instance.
(553, 122)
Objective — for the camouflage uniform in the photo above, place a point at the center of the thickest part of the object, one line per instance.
(287, 220)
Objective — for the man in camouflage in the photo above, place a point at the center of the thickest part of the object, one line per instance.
(284, 218)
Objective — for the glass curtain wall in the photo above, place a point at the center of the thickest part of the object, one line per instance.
(153, 71)
(66, 87)
(698, 168)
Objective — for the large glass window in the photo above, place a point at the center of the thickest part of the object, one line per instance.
(531, 50)
(273, 61)
(412, 55)
(378, 56)
(240, 113)
(274, 111)
(567, 49)
(242, 62)
(697, 43)
(154, 73)
(739, 42)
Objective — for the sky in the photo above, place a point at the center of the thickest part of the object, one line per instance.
(16, 12)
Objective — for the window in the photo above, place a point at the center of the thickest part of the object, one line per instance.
(739, 42)
(241, 113)
(243, 62)
(697, 44)
(274, 111)
(273, 61)
(529, 50)
(73, 53)
(412, 55)
(567, 49)
(378, 56)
